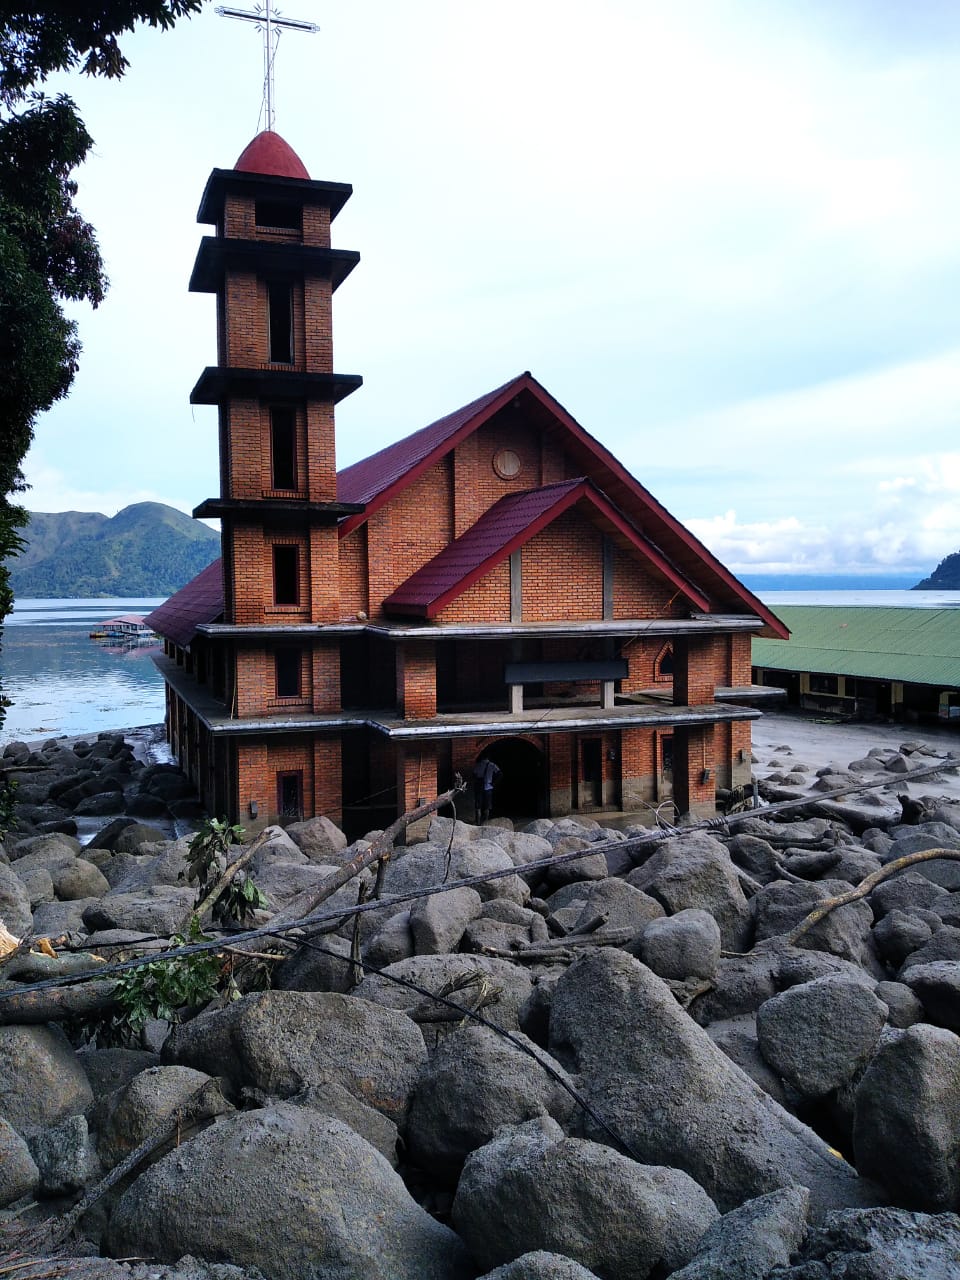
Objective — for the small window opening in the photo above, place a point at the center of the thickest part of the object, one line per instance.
(666, 747)
(290, 795)
(283, 448)
(287, 663)
(273, 213)
(286, 575)
(665, 665)
(280, 298)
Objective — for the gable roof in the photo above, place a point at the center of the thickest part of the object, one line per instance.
(502, 529)
(201, 600)
(914, 645)
(374, 481)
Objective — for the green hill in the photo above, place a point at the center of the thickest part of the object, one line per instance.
(945, 577)
(146, 549)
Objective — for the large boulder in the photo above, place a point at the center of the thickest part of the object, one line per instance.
(292, 1192)
(283, 1041)
(475, 1082)
(126, 1117)
(540, 1265)
(508, 983)
(41, 1080)
(437, 922)
(19, 1175)
(162, 909)
(15, 902)
(319, 839)
(906, 1131)
(672, 1095)
(818, 1035)
(937, 987)
(532, 1188)
(748, 1242)
(879, 1244)
(844, 932)
(695, 871)
(424, 866)
(686, 945)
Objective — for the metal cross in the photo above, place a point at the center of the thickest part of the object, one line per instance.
(271, 24)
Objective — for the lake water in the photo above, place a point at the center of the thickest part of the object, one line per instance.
(62, 682)
(59, 681)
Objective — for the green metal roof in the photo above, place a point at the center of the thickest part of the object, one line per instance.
(920, 646)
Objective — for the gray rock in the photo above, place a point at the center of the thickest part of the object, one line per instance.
(52, 919)
(279, 846)
(755, 856)
(818, 1035)
(879, 1244)
(686, 945)
(905, 891)
(328, 1206)
(319, 839)
(109, 1069)
(614, 1216)
(747, 1242)
(39, 886)
(103, 802)
(324, 966)
(160, 909)
(437, 923)
(903, 1007)
(737, 1037)
(475, 1082)
(283, 883)
(424, 865)
(44, 851)
(944, 945)
(19, 1175)
(844, 932)
(392, 943)
(592, 866)
(41, 1081)
(899, 934)
(123, 1119)
(79, 879)
(937, 987)
(906, 1131)
(514, 984)
(65, 1157)
(674, 1096)
(334, 1100)
(696, 871)
(625, 906)
(540, 1265)
(283, 1041)
(16, 908)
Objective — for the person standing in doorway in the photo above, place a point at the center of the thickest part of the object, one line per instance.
(485, 775)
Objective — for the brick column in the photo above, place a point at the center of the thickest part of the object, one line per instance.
(694, 670)
(416, 775)
(417, 680)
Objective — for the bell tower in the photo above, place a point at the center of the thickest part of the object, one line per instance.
(273, 271)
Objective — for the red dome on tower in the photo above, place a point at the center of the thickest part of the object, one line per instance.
(269, 154)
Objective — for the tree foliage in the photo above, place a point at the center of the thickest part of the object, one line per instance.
(48, 253)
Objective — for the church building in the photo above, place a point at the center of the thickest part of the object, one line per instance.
(494, 585)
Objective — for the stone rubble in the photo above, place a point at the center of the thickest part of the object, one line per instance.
(662, 1086)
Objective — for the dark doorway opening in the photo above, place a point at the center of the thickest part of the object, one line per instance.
(520, 791)
(590, 790)
(290, 795)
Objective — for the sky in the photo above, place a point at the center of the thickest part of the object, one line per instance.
(724, 234)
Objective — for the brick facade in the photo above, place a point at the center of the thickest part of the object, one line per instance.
(553, 599)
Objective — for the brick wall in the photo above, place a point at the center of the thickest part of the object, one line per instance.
(637, 593)
(354, 590)
(486, 601)
(405, 534)
(562, 571)
(417, 680)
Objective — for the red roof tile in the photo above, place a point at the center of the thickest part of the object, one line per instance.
(201, 600)
(375, 476)
(507, 525)
(268, 153)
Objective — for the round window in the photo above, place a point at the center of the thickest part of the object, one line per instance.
(506, 463)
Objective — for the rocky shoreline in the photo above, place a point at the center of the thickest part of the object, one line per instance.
(550, 1054)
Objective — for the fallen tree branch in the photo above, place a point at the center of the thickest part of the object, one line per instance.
(823, 909)
(56, 1003)
(206, 904)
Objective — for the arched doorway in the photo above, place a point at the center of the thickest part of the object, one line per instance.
(521, 788)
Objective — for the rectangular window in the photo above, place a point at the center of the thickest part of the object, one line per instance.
(290, 795)
(273, 213)
(280, 308)
(283, 448)
(286, 575)
(823, 683)
(287, 665)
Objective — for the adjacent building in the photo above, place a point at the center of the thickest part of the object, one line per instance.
(496, 584)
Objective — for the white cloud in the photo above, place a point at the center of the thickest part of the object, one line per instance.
(51, 490)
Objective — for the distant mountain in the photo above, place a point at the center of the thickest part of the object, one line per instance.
(147, 549)
(945, 577)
